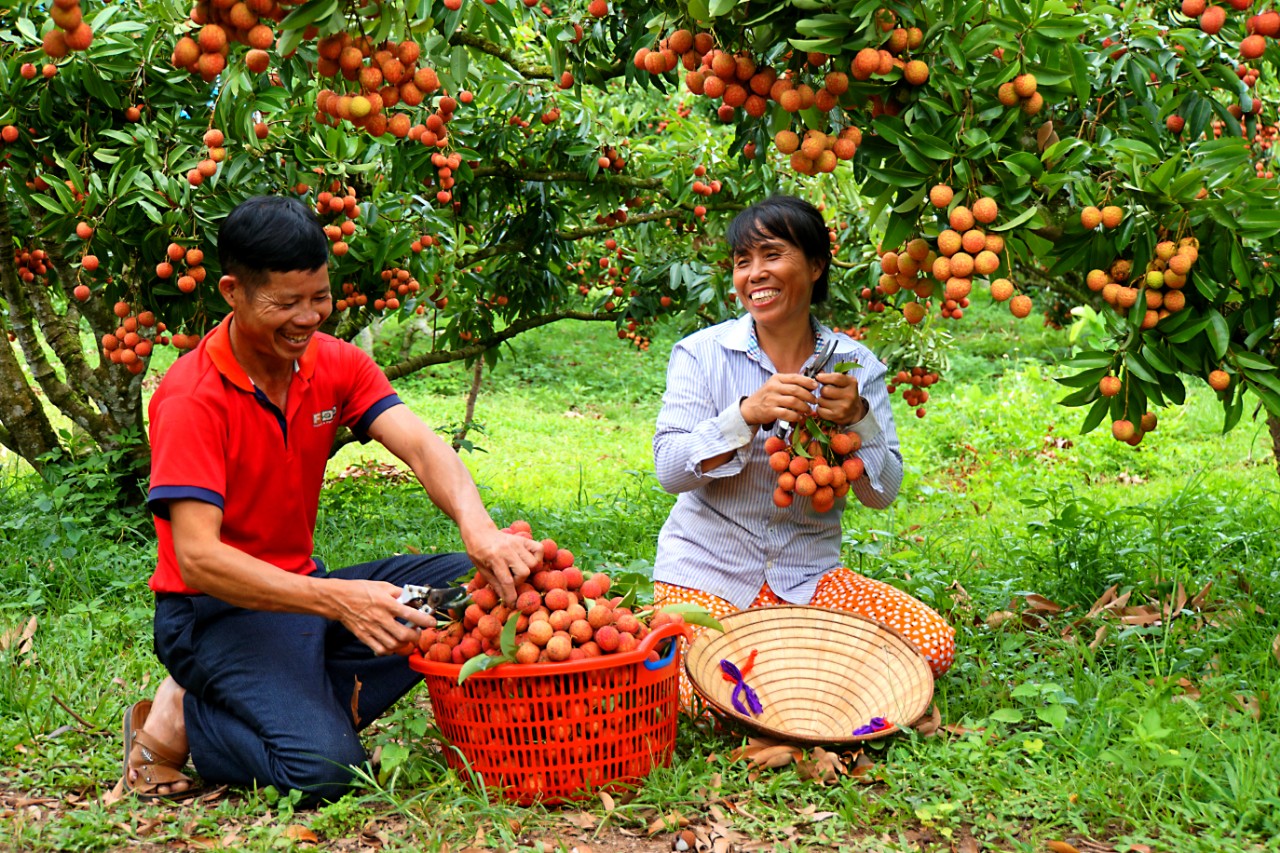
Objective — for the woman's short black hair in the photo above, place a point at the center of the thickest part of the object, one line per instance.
(269, 233)
(786, 217)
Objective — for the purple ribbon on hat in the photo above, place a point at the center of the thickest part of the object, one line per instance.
(877, 724)
(752, 706)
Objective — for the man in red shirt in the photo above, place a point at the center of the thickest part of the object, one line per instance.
(274, 662)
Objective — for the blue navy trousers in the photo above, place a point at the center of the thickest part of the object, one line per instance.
(270, 695)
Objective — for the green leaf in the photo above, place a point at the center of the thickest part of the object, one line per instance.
(694, 614)
(1022, 217)
(1139, 368)
(846, 366)
(1254, 362)
(721, 7)
(1095, 416)
(1219, 334)
(1079, 72)
(507, 640)
(1055, 715)
(480, 663)
(1006, 715)
(308, 13)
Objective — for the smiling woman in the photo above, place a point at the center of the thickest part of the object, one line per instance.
(729, 543)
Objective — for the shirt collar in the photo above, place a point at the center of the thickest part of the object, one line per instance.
(742, 336)
(218, 346)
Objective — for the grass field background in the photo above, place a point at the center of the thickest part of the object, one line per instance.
(1160, 735)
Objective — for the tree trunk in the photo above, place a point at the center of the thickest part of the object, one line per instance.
(24, 429)
(1273, 423)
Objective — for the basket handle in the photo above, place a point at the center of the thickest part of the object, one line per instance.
(668, 631)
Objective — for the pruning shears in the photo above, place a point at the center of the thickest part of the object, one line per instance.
(816, 366)
(435, 602)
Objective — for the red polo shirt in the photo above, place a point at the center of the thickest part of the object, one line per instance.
(217, 438)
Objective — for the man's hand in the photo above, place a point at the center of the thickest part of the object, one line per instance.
(370, 611)
(840, 402)
(504, 559)
(785, 396)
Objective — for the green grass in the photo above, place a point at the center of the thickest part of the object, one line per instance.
(1002, 496)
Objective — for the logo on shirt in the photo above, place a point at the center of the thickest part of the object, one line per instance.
(325, 417)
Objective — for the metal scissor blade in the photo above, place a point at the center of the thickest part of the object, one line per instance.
(432, 601)
(816, 365)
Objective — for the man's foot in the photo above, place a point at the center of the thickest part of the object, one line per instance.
(155, 740)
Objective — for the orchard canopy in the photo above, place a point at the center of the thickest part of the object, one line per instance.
(484, 167)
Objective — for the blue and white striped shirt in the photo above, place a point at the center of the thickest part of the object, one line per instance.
(725, 536)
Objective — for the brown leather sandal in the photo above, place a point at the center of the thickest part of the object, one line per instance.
(157, 764)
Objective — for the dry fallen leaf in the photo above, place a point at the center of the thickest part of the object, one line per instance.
(995, 620)
(1061, 847)
(1098, 636)
(776, 756)
(1248, 705)
(667, 822)
(355, 702)
(301, 834)
(929, 722)
(1275, 648)
(582, 820)
(1040, 604)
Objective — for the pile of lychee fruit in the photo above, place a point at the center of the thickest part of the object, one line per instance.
(560, 614)
(817, 465)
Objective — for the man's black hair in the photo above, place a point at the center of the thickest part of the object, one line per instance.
(269, 233)
(786, 217)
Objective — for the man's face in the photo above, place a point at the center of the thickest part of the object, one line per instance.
(277, 322)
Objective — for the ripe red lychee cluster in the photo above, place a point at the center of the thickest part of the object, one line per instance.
(1160, 286)
(132, 341)
(31, 263)
(963, 249)
(611, 160)
(1130, 433)
(1021, 92)
(71, 31)
(818, 151)
(193, 273)
(387, 75)
(215, 154)
(338, 208)
(818, 466)
(560, 615)
(915, 383)
(446, 165)
(399, 282)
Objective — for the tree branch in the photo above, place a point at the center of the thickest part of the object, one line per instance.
(524, 68)
(506, 170)
(478, 348)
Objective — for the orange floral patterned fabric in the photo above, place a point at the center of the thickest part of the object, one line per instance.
(839, 589)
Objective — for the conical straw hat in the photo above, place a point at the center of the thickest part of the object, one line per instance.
(819, 674)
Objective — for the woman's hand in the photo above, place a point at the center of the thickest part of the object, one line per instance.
(785, 396)
(840, 402)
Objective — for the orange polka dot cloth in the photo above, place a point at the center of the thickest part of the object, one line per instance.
(838, 589)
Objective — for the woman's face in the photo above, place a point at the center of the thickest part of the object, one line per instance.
(774, 280)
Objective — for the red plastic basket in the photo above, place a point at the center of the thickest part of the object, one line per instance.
(561, 731)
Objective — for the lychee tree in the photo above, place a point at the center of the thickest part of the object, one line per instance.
(481, 168)
(1106, 157)
(485, 168)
